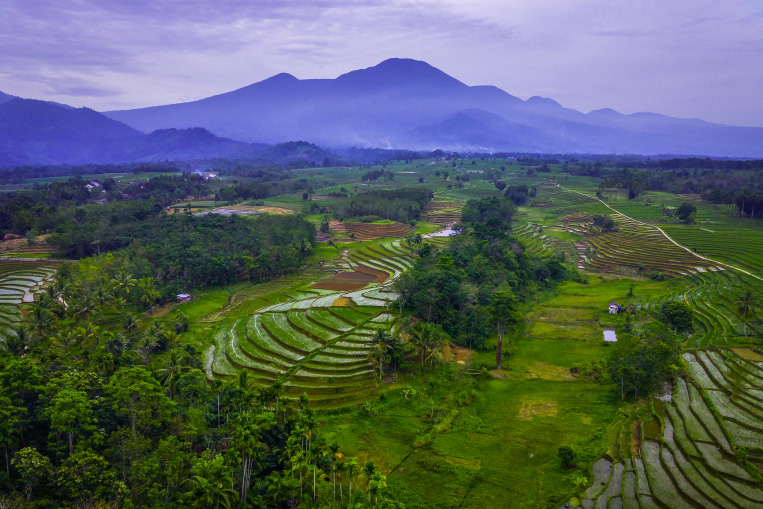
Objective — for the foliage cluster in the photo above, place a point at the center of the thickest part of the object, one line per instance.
(403, 204)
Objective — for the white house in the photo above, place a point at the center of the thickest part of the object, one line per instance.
(614, 308)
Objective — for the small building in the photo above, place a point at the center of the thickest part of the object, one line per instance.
(184, 297)
(614, 308)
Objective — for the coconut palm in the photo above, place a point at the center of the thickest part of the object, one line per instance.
(429, 338)
(379, 353)
(122, 282)
(148, 292)
(41, 320)
(16, 343)
(746, 305)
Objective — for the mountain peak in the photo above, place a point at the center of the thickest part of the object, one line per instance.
(399, 72)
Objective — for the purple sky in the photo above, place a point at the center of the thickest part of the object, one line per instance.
(686, 58)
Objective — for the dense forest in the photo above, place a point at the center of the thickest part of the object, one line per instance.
(457, 287)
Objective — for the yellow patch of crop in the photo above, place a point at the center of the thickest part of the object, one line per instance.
(343, 302)
(546, 371)
(536, 408)
(748, 354)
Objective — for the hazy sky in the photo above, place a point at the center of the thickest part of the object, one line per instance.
(687, 58)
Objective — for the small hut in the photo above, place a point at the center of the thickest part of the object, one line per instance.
(614, 308)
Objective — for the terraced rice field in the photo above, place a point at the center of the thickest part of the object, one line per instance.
(442, 212)
(316, 343)
(631, 244)
(686, 457)
(20, 280)
(538, 243)
(733, 241)
(370, 231)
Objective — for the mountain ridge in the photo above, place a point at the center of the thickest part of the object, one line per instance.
(409, 104)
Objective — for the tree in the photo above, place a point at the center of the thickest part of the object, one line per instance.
(353, 469)
(502, 310)
(246, 444)
(566, 456)
(686, 212)
(10, 417)
(85, 478)
(638, 364)
(70, 413)
(746, 306)
(379, 352)
(33, 467)
(209, 486)
(677, 314)
(135, 394)
(428, 337)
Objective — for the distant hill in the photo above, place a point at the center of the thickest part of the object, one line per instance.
(39, 133)
(403, 103)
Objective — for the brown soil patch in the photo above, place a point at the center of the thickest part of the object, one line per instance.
(380, 275)
(534, 408)
(636, 439)
(461, 354)
(343, 302)
(345, 281)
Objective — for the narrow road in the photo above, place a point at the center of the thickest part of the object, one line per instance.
(727, 265)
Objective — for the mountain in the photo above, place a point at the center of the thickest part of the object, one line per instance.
(39, 133)
(403, 103)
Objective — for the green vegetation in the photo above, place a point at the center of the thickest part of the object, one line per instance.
(467, 371)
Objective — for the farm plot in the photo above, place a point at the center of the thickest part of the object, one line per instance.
(690, 463)
(371, 231)
(312, 343)
(20, 281)
(442, 212)
(734, 385)
(633, 247)
(538, 243)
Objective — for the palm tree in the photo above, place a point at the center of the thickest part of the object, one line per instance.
(353, 469)
(65, 339)
(122, 282)
(41, 321)
(129, 322)
(746, 305)
(209, 485)
(379, 350)
(428, 337)
(340, 468)
(16, 343)
(148, 292)
(368, 470)
(171, 370)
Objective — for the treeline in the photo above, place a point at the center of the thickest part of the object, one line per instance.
(402, 204)
(479, 279)
(746, 203)
(22, 173)
(190, 251)
(45, 208)
(377, 174)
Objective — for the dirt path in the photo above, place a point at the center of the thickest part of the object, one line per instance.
(727, 265)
